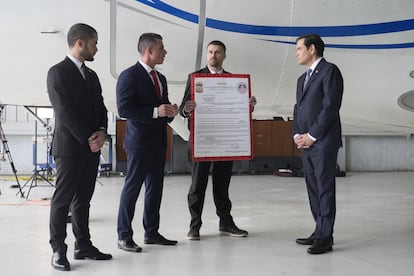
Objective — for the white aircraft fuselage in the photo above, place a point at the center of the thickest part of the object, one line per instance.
(372, 42)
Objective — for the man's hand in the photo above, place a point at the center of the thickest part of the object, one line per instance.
(252, 102)
(303, 141)
(97, 140)
(167, 110)
(189, 106)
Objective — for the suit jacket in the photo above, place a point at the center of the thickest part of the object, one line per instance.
(187, 93)
(136, 99)
(78, 106)
(317, 105)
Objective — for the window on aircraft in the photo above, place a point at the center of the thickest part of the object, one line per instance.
(406, 100)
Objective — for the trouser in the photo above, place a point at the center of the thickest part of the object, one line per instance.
(75, 184)
(221, 175)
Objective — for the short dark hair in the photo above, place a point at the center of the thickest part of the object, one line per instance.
(80, 31)
(314, 39)
(147, 40)
(218, 43)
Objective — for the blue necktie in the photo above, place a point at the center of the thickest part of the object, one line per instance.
(308, 74)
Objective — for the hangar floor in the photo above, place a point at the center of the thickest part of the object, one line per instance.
(374, 233)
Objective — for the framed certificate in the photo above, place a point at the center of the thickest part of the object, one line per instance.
(221, 123)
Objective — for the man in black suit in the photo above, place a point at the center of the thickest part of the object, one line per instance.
(80, 131)
(317, 132)
(142, 99)
(221, 170)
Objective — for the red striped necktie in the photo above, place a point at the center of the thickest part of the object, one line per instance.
(156, 84)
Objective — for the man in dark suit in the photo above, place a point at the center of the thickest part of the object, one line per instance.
(221, 170)
(80, 131)
(317, 132)
(142, 98)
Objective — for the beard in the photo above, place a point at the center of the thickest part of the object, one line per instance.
(88, 56)
(214, 63)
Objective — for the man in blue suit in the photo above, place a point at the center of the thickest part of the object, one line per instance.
(142, 98)
(317, 132)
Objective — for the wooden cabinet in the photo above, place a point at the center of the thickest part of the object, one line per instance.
(262, 138)
(273, 138)
(119, 141)
(120, 134)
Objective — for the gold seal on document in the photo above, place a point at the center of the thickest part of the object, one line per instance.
(199, 87)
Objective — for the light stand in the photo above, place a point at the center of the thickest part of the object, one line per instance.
(49, 157)
(41, 171)
(7, 150)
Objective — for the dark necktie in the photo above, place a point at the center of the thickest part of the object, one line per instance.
(308, 74)
(89, 96)
(156, 84)
(84, 71)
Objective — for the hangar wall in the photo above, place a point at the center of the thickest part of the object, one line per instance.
(360, 153)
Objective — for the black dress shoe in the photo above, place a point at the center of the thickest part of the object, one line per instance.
(159, 239)
(60, 262)
(320, 247)
(306, 241)
(129, 245)
(90, 253)
(233, 231)
(193, 235)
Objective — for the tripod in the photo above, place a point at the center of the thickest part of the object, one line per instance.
(7, 150)
(40, 171)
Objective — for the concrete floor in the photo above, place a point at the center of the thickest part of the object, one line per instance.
(374, 233)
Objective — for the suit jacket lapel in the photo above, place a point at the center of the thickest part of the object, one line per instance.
(74, 68)
(205, 70)
(312, 77)
(301, 88)
(141, 71)
(149, 83)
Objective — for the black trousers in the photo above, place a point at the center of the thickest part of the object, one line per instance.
(221, 174)
(75, 184)
(319, 166)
